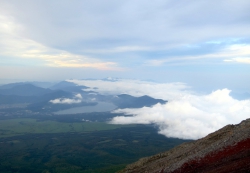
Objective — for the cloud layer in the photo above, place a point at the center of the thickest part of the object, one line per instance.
(190, 116)
(138, 88)
(186, 115)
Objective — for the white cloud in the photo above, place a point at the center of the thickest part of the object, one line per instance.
(121, 49)
(76, 99)
(16, 46)
(135, 25)
(239, 60)
(135, 87)
(126, 29)
(79, 96)
(190, 116)
(233, 53)
(187, 114)
(238, 53)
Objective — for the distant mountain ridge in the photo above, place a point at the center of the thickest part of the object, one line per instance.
(25, 89)
(35, 83)
(38, 99)
(69, 87)
(128, 101)
(11, 85)
(35, 96)
(226, 150)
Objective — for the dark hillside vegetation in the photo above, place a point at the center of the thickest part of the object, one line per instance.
(87, 152)
(33, 138)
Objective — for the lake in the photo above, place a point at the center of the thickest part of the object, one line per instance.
(100, 107)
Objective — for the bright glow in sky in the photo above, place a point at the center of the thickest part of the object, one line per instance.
(205, 44)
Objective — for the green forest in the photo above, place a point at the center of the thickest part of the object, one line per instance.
(30, 145)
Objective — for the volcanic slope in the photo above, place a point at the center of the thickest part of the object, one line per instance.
(226, 150)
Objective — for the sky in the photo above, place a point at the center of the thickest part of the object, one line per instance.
(205, 44)
(192, 53)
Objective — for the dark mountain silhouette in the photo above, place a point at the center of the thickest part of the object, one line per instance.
(13, 99)
(54, 95)
(24, 89)
(35, 83)
(68, 86)
(38, 99)
(128, 101)
(40, 103)
(62, 84)
(42, 84)
(42, 99)
(11, 85)
(226, 150)
(43, 102)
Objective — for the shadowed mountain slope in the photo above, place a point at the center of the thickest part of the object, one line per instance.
(226, 150)
(69, 87)
(128, 101)
(24, 90)
(11, 85)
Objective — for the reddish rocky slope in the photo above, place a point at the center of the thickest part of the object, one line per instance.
(226, 150)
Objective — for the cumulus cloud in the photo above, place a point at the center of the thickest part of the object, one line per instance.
(76, 99)
(190, 116)
(187, 114)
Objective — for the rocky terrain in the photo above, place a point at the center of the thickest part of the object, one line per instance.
(226, 150)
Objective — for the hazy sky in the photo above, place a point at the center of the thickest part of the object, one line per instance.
(205, 43)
